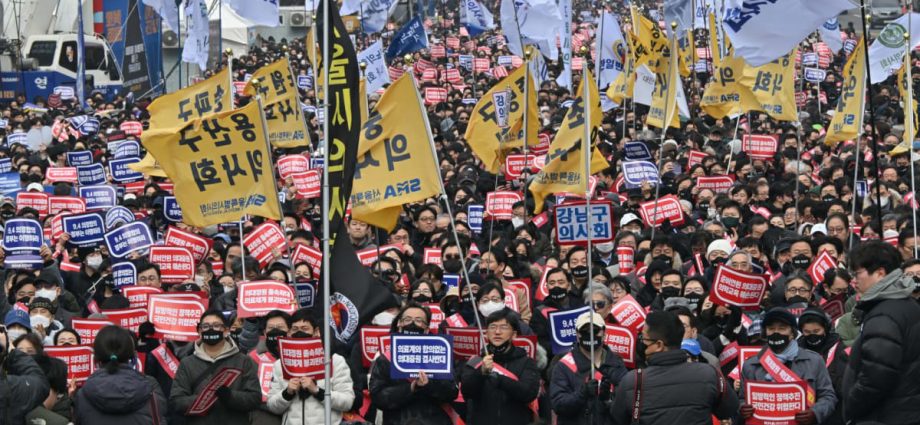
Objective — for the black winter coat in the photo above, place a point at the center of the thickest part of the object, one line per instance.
(496, 399)
(125, 397)
(567, 388)
(675, 392)
(400, 405)
(22, 388)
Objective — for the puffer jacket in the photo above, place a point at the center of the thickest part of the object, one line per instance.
(500, 399)
(245, 391)
(426, 405)
(123, 397)
(310, 411)
(566, 388)
(882, 379)
(22, 388)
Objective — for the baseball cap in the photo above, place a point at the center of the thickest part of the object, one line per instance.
(819, 228)
(18, 317)
(7, 201)
(778, 314)
(589, 317)
(36, 187)
(628, 218)
(691, 346)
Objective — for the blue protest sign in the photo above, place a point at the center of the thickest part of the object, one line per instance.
(171, 209)
(572, 223)
(120, 171)
(118, 215)
(306, 293)
(128, 238)
(562, 328)
(637, 172)
(316, 162)
(79, 158)
(22, 236)
(90, 175)
(637, 151)
(304, 82)
(9, 182)
(124, 274)
(23, 262)
(127, 149)
(17, 138)
(474, 214)
(84, 229)
(411, 354)
(451, 280)
(6, 165)
(98, 197)
(862, 188)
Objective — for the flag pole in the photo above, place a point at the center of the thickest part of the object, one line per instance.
(453, 223)
(327, 337)
(527, 88)
(586, 157)
(865, 26)
(859, 135)
(665, 125)
(909, 104)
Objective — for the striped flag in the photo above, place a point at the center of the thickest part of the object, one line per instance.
(435, 95)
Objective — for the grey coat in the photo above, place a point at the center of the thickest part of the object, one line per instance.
(811, 368)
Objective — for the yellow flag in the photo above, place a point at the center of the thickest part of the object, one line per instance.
(362, 97)
(565, 165)
(714, 49)
(149, 166)
(687, 54)
(741, 88)
(175, 110)
(848, 114)
(286, 128)
(725, 95)
(220, 165)
(395, 163)
(651, 40)
(664, 97)
(622, 86)
(906, 87)
(483, 132)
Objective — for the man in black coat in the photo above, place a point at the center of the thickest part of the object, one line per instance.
(500, 387)
(882, 380)
(23, 386)
(671, 390)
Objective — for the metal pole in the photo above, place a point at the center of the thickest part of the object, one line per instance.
(526, 132)
(909, 114)
(81, 63)
(859, 135)
(586, 157)
(243, 249)
(665, 125)
(327, 337)
(731, 151)
(865, 25)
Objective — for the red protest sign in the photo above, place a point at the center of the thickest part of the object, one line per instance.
(61, 174)
(623, 342)
(499, 204)
(717, 184)
(256, 299)
(629, 313)
(290, 164)
(301, 357)
(266, 370)
(543, 146)
(263, 239)
(667, 208)
(520, 286)
(528, 343)
(137, 295)
(437, 316)
(307, 254)
(132, 128)
(695, 157)
(820, 264)
(542, 290)
(467, 342)
(775, 403)
(307, 184)
(88, 328)
(36, 200)
(198, 245)
(79, 359)
(74, 204)
(759, 146)
(176, 318)
(432, 256)
(834, 306)
(208, 396)
(370, 342)
(177, 265)
(128, 318)
(166, 359)
(733, 287)
(516, 164)
(626, 259)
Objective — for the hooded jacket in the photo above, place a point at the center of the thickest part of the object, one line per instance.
(882, 379)
(124, 397)
(22, 388)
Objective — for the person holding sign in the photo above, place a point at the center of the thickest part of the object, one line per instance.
(573, 392)
(501, 386)
(782, 361)
(24, 385)
(424, 399)
(213, 355)
(560, 297)
(818, 335)
(117, 393)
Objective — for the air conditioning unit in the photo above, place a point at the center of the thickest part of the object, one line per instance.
(170, 40)
(298, 19)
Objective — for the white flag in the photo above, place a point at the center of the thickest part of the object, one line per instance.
(612, 48)
(784, 23)
(476, 17)
(168, 11)
(538, 23)
(375, 75)
(195, 49)
(681, 12)
(887, 51)
(645, 85)
(565, 43)
(701, 14)
(830, 34)
(259, 12)
(374, 13)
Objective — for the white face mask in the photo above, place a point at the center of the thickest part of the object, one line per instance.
(490, 307)
(13, 334)
(50, 294)
(199, 280)
(40, 320)
(517, 222)
(94, 262)
(606, 247)
(384, 318)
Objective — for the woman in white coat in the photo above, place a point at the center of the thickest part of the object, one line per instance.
(300, 400)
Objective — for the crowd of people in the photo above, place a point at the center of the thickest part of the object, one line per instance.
(860, 362)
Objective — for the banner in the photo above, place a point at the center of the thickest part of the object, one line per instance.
(474, 217)
(79, 360)
(216, 180)
(256, 299)
(306, 294)
(98, 197)
(572, 223)
(820, 264)
(198, 246)
(127, 239)
(175, 318)
(22, 236)
(740, 88)
(371, 341)
(87, 329)
(626, 259)
(718, 184)
(84, 229)
(562, 328)
(289, 165)
(281, 103)
(92, 174)
(175, 110)
(774, 403)
(124, 274)
(667, 208)
(629, 313)
(622, 341)
(733, 287)
(35, 200)
(638, 172)
(499, 204)
(467, 342)
(309, 255)
(61, 174)
(71, 204)
(176, 264)
(79, 158)
(411, 354)
(375, 74)
(261, 241)
(128, 318)
(301, 358)
(638, 151)
(848, 114)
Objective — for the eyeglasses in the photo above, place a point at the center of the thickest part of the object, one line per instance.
(799, 291)
(599, 304)
(418, 321)
(493, 299)
(153, 278)
(426, 219)
(204, 327)
(499, 328)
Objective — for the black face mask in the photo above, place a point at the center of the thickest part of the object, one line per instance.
(271, 340)
(486, 272)
(452, 266)
(814, 341)
(778, 342)
(500, 349)
(7, 214)
(798, 299)
(580, 272)
(300, 334)
(557, 293)
(801, 262)
(730, 222)
(413, 329)
(663, 258)
(235, 335)
(422, 299)
(669, 291)
(212, 337)
(584, 339)
(719, 261)
(640, 254)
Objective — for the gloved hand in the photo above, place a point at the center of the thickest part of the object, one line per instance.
(604, 393)
(223, 394)
(806, 417)
(747, 411)
(590, 388)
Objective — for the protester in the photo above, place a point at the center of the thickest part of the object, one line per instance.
(24, 385)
